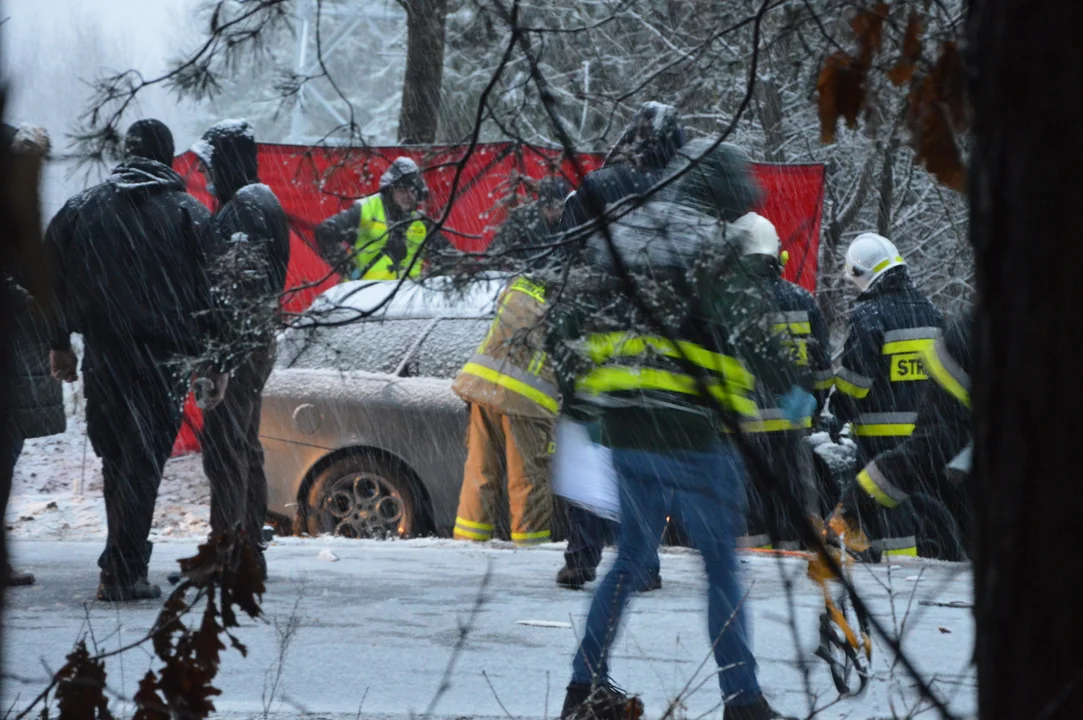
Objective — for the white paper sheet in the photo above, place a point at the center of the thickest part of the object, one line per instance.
(583, 471)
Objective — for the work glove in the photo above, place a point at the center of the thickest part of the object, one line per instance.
(797, 404)
(210, 390)
(63, 364)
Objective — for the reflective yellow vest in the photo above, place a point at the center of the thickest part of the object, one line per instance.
(372, 234)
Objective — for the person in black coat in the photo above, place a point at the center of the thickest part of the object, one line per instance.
(881, 380)
(249, 272)
(634, 165)
(130, 258)
(36, 406)
(919, 470)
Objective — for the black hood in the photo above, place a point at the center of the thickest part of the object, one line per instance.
(651, 139)
(141, 178)
(228, 150)
(761, 265)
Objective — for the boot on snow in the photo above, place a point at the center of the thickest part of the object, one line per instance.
(110, 590)
(14, 578)
(574, 578)
(603, 701)
(759, 710)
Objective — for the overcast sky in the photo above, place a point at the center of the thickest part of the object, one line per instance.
(51, 47)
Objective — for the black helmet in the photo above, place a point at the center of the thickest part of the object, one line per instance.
(651, 138)
(404, 172)
(720, 184)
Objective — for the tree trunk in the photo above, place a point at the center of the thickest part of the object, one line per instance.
(887, 190)
(770, 107)
(425, 23)
(1025, 186)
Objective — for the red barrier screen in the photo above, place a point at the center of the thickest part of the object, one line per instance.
(314, 183)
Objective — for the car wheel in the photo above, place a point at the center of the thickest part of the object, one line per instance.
(363, 497)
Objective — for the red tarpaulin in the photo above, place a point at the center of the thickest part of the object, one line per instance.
(314, 183)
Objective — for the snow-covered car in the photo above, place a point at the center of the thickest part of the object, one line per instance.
(361, 432)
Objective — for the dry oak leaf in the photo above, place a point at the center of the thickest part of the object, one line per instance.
(840, 91)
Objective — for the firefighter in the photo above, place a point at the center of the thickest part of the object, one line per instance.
(801, 328)
(380, 236)
(920, 468)
(511, 390)
(880, 382)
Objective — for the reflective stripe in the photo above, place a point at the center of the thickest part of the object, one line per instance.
(918, 333)
(789, 545)
(909, 551)
(773, 420)
(532, 289)
(604, 346)
(531, 538)
(878, 487)
(823, 379)
(793, 328)
(897, 546)
(885, 262)
(473, 525)
(947, 373)
(621, 379)
(853, 383)
(507, 375)
(909, 340)
(897, 424)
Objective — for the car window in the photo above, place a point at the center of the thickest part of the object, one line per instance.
(447, 348)
(373, 346)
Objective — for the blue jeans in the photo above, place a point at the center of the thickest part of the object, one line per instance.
(706, 489)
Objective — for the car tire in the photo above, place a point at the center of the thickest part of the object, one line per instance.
(362, 496)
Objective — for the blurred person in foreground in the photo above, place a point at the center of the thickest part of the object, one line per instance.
(802, 330)
(36, 407)
(130, 277)
(658, 383)
(251, 253)
(632, 168)
(881, 379)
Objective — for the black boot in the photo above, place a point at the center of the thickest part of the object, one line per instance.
(655, 583)
(759, 710)
(14, 578)
(574, 578)
(600, 702)
(111, 590)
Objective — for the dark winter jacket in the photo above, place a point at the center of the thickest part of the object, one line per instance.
(633, 167)
(800, 325)
(687, 269)
(942, 431)
(37, 400)
(130, 263)
(881, 380)
(525, 242)
(252, 234)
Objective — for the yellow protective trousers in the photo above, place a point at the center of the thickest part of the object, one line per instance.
(518, 448)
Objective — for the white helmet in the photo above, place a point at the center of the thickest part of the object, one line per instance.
(870, 256)
(758, 235)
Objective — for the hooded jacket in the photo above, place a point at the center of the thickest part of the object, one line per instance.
(686, 266)
(130, 259)
(881, 379)
(634, 166)
(252, 238)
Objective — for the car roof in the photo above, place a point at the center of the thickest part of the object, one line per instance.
(395, 300)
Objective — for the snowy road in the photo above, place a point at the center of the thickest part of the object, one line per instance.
(379, 625)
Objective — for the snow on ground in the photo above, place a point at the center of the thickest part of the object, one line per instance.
(378, 626)
(56, 492)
